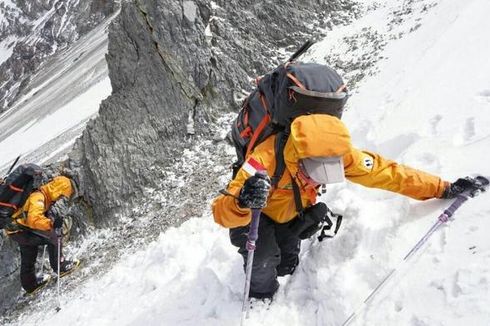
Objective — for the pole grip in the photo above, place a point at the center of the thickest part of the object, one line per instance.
(253, 232)
(455, 205)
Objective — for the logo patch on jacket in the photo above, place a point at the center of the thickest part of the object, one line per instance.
(368, 162)
(251, 166)
(288, 186)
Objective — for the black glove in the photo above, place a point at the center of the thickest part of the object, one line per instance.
(255, 191)
(467, 184)
(58, 223)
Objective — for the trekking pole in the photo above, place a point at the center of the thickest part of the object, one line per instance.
(253, 235)
(58, 236)
(443, 218)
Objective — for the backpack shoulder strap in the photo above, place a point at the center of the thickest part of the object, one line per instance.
(297, 197)
(281, 140)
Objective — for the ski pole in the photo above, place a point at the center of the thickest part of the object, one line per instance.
(253, 235)
(58, 236)
(443, 218)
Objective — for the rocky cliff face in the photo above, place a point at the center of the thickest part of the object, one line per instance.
(174, 65)
(32, 31)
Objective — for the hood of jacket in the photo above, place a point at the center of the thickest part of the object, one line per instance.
(58, 187)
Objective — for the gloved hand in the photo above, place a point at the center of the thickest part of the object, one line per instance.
(467, 184)
(58, 223)
(255, 191)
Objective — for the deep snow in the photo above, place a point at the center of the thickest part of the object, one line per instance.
(428, 106)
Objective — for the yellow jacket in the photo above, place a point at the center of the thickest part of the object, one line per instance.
(320, 135)
(32, 214)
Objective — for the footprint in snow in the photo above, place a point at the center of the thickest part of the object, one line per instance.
(469, 129)
(398, 306)
(442, 241)
(474, 228)
(469, 133)
(456, 289)
(434, 122)
(484, 96)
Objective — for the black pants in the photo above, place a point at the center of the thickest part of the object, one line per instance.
(276, 253)
(29, 244)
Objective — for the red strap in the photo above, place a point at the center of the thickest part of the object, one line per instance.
(8, 205)
(296, 81)
(264, 103)
(265, 121)
(246, 132)
(16, 189)
(341, 88)
(245, 118)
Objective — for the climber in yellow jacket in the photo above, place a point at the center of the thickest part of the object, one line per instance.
(318, 151)
(34, 228)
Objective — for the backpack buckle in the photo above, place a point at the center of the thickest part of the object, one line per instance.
(327, 226)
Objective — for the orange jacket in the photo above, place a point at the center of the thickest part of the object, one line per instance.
(32, 214)
(320, 135)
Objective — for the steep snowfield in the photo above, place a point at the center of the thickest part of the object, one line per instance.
(428, 106)
(61, 99)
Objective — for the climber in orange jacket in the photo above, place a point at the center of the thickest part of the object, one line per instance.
(318, 151)
(35, 226)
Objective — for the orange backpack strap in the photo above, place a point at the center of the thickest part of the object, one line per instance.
(265, 121)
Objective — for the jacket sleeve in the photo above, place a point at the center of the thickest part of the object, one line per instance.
(35, 214)
(372, 170)
(225, 208)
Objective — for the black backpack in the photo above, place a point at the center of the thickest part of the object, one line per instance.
(290, 90)
(15, 190)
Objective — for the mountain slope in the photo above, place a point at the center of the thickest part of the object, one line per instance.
(424, 103)
(33, 31)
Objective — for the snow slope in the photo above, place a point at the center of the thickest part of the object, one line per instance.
(61, 99)
(428, 106)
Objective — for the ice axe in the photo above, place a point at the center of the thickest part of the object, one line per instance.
(11, 167)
